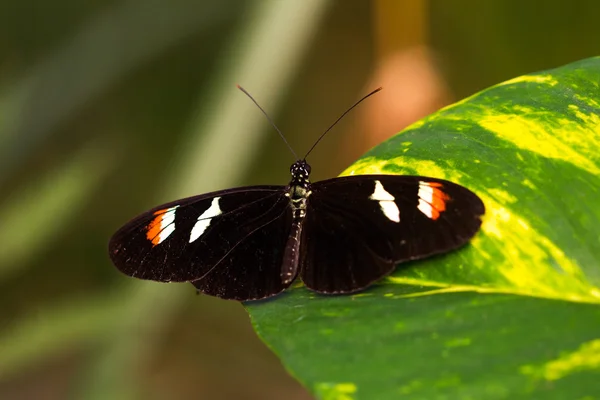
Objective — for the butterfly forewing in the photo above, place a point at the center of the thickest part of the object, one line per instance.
(226, 241)
(359, 227)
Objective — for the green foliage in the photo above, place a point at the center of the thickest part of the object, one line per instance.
(512, 315)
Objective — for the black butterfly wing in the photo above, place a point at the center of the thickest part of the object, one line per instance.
(358, 227)
(229, 244)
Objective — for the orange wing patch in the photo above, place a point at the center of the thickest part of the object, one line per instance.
(161, 226)
(432, 199)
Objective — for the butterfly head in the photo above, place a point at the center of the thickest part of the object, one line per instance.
(300, 170)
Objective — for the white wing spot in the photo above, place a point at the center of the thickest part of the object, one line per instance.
(425, 199)
(426, 191)
(386, 202)
(390, 210)
(425, 208)
(167, 224)
(205, 218)
(380, 194)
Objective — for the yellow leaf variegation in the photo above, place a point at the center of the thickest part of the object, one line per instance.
(516, 312)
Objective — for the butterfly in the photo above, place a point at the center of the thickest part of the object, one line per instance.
(338, 235)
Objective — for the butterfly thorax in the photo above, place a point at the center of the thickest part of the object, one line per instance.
(298, 190)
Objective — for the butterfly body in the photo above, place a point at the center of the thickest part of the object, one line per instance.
(298, 192)
(339, 235)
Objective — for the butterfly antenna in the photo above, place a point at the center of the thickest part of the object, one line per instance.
(340, 117)
(269, 119)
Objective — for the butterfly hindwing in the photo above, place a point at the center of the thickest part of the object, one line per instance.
(228, 244)
(358, 227)
(252, 269)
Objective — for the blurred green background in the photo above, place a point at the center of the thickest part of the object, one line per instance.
(108, 108)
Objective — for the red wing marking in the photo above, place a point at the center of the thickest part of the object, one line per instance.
(432, 199)
(161, 226)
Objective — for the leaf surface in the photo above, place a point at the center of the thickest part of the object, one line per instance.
(515, 314)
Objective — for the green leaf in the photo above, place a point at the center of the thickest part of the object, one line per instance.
(512, 315)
